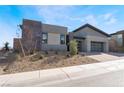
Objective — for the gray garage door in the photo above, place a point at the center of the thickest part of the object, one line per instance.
(97, 47)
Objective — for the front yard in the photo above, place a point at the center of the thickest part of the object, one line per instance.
(14, 63)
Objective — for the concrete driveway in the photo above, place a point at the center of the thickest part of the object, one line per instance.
(105, 56)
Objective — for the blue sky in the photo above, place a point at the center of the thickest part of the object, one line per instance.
(107, 18)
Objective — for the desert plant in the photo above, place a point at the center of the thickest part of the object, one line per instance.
(68, 55)
(73, 47)
(56, 52)
(6, 46)
(16, 56)
(46, 52)
(16, 51)
(37, 57)
(31, 52)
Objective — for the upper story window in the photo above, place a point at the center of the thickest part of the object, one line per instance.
(44, 38)
(62, 39)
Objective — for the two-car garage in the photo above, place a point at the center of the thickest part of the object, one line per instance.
(91, 39)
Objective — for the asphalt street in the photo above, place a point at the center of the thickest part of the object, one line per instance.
(111, 79)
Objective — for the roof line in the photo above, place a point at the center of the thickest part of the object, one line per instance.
(92, 27)
(117, 32)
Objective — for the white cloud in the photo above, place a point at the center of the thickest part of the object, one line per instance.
(108, 18)
(111, 21)
(81, 19)
(51, 14)
(91, 19)
(67, 16)
(60, 15)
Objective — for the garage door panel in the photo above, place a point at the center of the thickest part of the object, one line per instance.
(96, 46)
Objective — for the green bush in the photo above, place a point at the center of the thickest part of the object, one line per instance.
(73, 47)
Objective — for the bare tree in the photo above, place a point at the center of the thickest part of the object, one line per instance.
(18, 35)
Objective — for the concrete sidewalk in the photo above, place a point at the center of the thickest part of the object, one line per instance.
(60, 74)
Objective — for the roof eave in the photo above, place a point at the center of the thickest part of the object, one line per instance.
(92, 27)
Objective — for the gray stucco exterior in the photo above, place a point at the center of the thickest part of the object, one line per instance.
(46, 47)
(54, 29)
(87, 35)
(54, 33)
(32, 32)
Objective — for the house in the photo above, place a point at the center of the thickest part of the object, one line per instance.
(45, 37)
(39, 36)
(116, 41)
(90, 39)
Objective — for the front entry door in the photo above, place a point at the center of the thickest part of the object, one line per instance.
(79, 46)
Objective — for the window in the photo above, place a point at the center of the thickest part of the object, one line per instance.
(44, 38)
(119, 39)
(62, 39)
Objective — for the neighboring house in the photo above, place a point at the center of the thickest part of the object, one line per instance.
(39, 36)
(116, 41)
(90, 39)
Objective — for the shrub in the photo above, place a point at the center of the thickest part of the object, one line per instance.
(5, 69)
(46, 52)
(56, 52)
(31, 52)
(16, 51)
(16, 56)
(37, 57)
(73, 47)
(68, 55)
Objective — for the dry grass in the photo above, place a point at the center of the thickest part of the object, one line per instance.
(48, 61)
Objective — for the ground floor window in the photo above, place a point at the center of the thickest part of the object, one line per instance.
(44, 38)
(62, 39)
